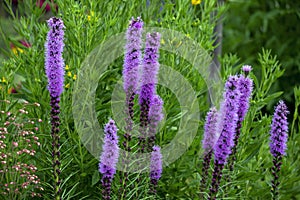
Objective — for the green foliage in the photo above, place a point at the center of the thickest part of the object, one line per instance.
(252, 25)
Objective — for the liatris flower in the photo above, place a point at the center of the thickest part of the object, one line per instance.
(155, 168)
(109, 158)
(155, 117)
(279, 136)
(149, 80)
(132, 62)
(245, 86)
(54, 62)
(54, 65)
(226, 125)
(208, 142)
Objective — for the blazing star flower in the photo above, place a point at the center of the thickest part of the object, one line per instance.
(208, 142)
(54, 65)
(210, 136)
(245, 86)
(54, 62)
(109, 157)
(149, 74)
(155, 167)
(133, 55)
(148, 83)
(279, 129)
(279, 136)
(155, 117)
(227, 120)
(226, 125)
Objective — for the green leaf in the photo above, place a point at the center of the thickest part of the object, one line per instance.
(95, 178)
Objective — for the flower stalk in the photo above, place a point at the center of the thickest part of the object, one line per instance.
(278, 140)
(109, 158)
(54, 65)
(226, 126)
(208, 143)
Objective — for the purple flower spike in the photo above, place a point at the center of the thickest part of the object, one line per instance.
(54, 66)
(279, 130)
(279, 136)
(227, 120)
(245, 86)
(133, 55)
(208, 142)
(226, 125)
(210, 137)
(54, 62)
(150, 69)
(148, 84)
(109, 158)
(155, 117)
(155, 168)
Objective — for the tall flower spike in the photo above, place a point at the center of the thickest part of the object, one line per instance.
(132, 62)
(54, 65)
(208, 142)
(155, 168)
(210, 137)
(149, 81)
(226, 125)
(279, 129)
(133, 55)
(54, 62)
(155, 117)
(245, 86)
(109, 158)
(279, 136)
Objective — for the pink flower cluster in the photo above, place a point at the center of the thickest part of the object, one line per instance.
(18, 145)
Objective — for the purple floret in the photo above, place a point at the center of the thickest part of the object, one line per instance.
(246, 69)
(54, 63)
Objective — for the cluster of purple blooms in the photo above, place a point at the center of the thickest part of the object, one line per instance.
(222, 131)
(140, 78)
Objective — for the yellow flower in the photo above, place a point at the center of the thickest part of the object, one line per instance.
(15, 50)
(20, 50)
(89, 17)
(9, 90)
(74, 77)
(67, 86)
(196, 2)
(67, 67)
(69, 74)
(162, 41)
(4, 80)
